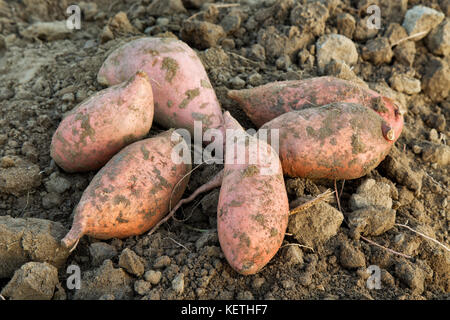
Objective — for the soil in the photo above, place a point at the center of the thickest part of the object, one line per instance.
(47, 72)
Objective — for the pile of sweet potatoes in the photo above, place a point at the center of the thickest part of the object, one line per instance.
(317, 128)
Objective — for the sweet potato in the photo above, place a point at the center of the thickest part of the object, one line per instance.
(99, 127)
(253, 208)
(266, 102)
(337, 141)
(133, 191)
(181, 88)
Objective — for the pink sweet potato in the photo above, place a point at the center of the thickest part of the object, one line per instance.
(103, 124)
(336, 141)
(267, 102)
(181, 88)
(133, 191)
(253, 209)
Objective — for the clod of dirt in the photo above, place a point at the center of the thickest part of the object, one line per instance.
(118, 26)
(178, 283)
(166, 7)
(18, 176)
(202, 34)
(413, 275)
(371, 193)
(51, 200)
(310, 17)
(335, 47)
(257, 52)
(439, 261)
(436, 81)
(438, 41)
(346, 24)
(343, 71)
(195, 4)
(57, 184)
(397, 166)
(30, 239)
(362, 32)
(131, 262)
(421, 19)
(152, 276)
(378, 51)
(47, 31)
(89, 10)
(105, 280)
(33, 281)
(436, 153)
(395, 33)
(393, 10)
(371, 221)
(405, 83)
(293, 255)
(101, 251)
(237, 83)
(207, 238)
(142, 287)
(162, 262)
(315, 225)
(278, 43)
(351, 257)
(231, 22)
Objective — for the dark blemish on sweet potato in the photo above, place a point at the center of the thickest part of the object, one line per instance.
(357, 145)
(236, 203)
(118, 199)
(205, 84)
(145, 152)
(171, 67)
(250, 171)
(169, 103)
(120, 218)
(190, 95)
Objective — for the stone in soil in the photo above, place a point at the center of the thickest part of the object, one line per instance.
(178, 283)
(105, 280)
(30, 239)
(33, 281)
(101, 251)
(421, 19)
(362, 33)
(351, 257)
(316, 225)
(438, 41)
(231, 22)
(17, 176)
(202, 34)
(436, 81)
(395, 33)
(118, 26)
(57, 184)
(335, 47)
(377, 51)
(142, 287)
(131, 262)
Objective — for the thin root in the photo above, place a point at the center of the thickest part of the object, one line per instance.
(297, 245)
(387, 249)
(408, 38)
(179, 244)
(308, 204)
(74, 246)
(423, 235)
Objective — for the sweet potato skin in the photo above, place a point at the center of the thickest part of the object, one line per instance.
(103, 124)
(132, 192)
(336, 141)
(269, 101)
(181, 88)
(253, 209)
